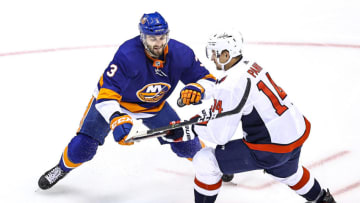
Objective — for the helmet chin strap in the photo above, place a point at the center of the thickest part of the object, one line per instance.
(222, 65)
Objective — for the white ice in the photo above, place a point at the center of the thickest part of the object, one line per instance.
(44, 94)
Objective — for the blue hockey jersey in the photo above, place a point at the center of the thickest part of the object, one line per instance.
(140, 83)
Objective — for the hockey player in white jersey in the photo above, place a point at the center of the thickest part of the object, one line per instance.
(274, 129)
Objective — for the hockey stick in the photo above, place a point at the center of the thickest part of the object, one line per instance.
(161, 131)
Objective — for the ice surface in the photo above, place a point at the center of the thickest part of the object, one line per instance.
(44, 94)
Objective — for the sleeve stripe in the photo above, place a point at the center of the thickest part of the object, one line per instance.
(108, 94)
(209, 77)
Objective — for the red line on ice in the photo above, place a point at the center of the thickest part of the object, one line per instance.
(174, 172)
(347, 188)
(309, 44)
(330, 158)
(313, 165)
(270, 183)
(39, 51)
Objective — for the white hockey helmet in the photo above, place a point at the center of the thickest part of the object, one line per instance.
(231, 41)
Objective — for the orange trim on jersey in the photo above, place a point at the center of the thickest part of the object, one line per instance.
(276, 148)
(206, 186)
(203, 145)
(101, 81)
(85, 114)
(108, 94)
(209, 76)
(166, 51)
(136, 108)
(67, 161)
(161, 62)
(304, 179)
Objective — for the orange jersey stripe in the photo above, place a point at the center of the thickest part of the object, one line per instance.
(135, 108)
(206, 186)
(101, 81)
(276, 148)
(209, 76)
(304, 179)
(108, 94)
(67, 161)
(86, 112)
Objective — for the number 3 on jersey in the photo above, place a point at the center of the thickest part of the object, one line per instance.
(274, 99)
(112, 70)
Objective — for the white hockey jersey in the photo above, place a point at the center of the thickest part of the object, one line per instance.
(270, 121)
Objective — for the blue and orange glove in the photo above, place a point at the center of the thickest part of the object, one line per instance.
(192, 93)
(121, 124)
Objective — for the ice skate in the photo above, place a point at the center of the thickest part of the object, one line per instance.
(325, 198)
(51, 177)
(227, 177)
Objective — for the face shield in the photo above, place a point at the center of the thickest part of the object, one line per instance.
(211, 52)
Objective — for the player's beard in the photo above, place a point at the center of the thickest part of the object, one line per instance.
(156, 51)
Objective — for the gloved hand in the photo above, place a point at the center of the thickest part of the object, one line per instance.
(205, 115)
(192, 93)
(183, 134)
(121, 124)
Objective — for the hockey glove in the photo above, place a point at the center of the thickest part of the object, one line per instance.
(121, 125)
(192, 93)
(183, 134)
(205, 115)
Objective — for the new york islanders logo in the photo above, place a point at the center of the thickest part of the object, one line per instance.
(153, 92)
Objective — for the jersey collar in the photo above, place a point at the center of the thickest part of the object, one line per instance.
(157, 63)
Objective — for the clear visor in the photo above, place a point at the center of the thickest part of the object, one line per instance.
(210, 51)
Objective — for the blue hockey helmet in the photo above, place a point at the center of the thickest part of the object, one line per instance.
(153, 24)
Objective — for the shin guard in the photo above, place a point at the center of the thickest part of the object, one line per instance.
(81, 148)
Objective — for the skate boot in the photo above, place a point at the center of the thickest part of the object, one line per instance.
(51, 177)
(227, 177)
(326, 197)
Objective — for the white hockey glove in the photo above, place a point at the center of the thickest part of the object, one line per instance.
(183, 134)
(205, 115)
(187, 133)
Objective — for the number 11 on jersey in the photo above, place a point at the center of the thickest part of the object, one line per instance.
(274, 99)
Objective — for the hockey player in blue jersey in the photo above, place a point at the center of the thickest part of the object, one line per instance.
(143, 73)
